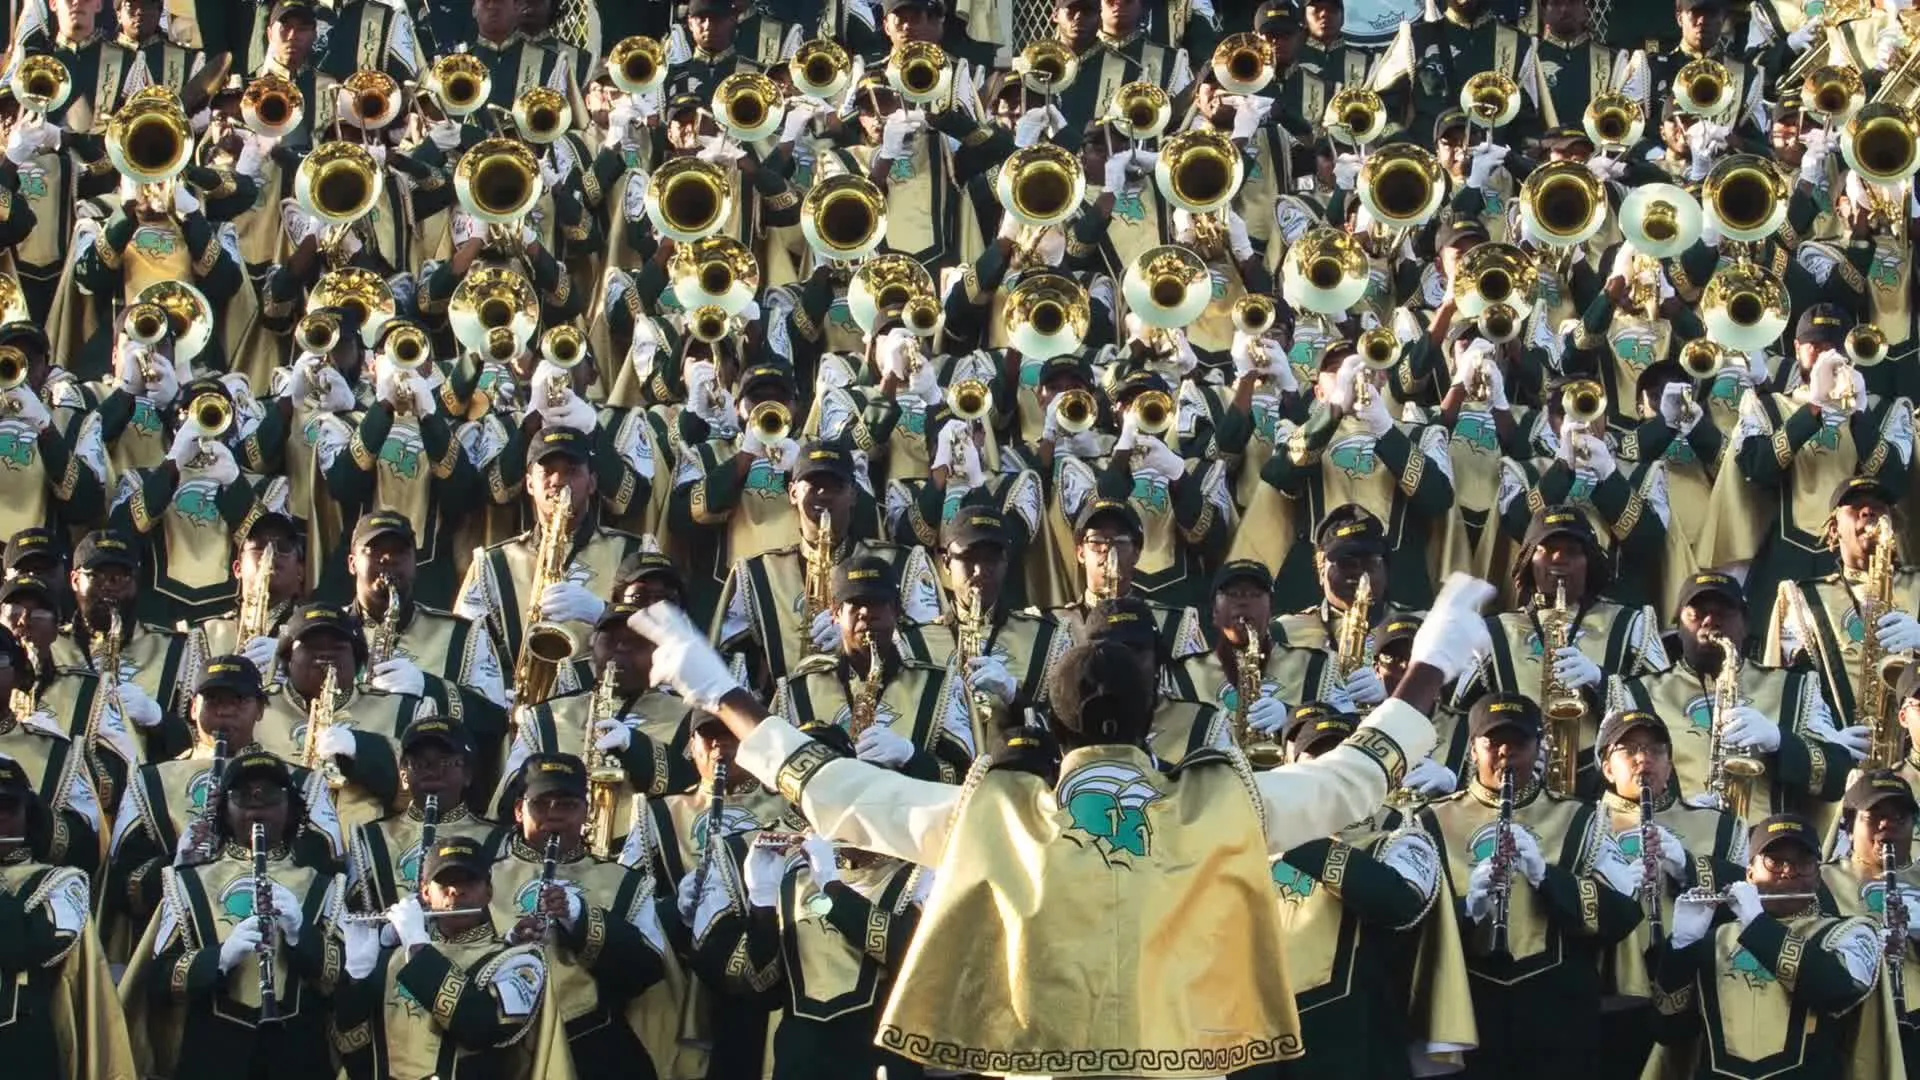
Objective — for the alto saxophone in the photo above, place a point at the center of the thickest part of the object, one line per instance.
(971, 630)
(605, 774)
(1562, 705)
(1875, 697)
(256, 600)
(1350, 648)
(1250, 677)
(320, 714)
(819, 586)
(864, 709)
(546, 645)
(385, 639)
(1731, 770)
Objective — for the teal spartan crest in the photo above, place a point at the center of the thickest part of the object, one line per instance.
(236, 901)
(1354, 456)
(1293, 884)
(1747, 968)
(766, 481)
(199, 790)
(1107, 807)
(407, 868)
(1480, 847)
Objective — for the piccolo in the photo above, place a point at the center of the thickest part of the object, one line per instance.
(1698, 895)
(368, 920)
(770, 839)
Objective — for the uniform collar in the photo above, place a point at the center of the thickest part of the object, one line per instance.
(477, 935)
(502, 45)
(1457, 19)
(78, 44)
(522, 850)
(1620, 804)
(448, 814)
(701, 56)
(1119, 43)
(1567, 43)
(1523, 793)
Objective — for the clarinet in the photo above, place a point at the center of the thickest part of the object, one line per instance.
(1649, 868)
(549, 873)
(1503, 863)
(1893, 915)
(716, 813)
(263, 909)
(429, 830)
(210, 811)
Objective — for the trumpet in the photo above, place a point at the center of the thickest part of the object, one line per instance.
(41, 83)
(688, 199)
(372, 99)
(1499, 323)
(772, 420)
(189, 315)
(541, 115)
(408, 348)
(1167, 286)
(1047, 67)
(1584, 400)
(821, 69)
(1325, 272)
(1047, 315)
(13, 373)
(1356, 116)
(1374, 362)
(844, 218)
(1379, 348)
(461, 83)
(1744, 307)
(1563, 204)
(1745, 197)
(1702, 359)
(1832, 94)
(718, 270)
(1614, 120)
(1254, 314)
(1878, 143)
(970, 399)
(885, 283)
(1703, 87)
(637, 64)
(563, 346)
(1490, 99)
(498, 181)
(149, 138)
(1402, 185)
(272, 106)
(1079, 411)
(338, 183)
(709, 324)
(147, 324)
(918, 71)
(1199, 170)
(748, 106)
(1141, 110)
(1243, 64)
(1660, 220)
(360, 292)
(1153, 412)
(494, 312)
(318, 333)
(1041, 186)
(1866, 345)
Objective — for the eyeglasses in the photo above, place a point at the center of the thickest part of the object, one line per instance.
(1796, 864)
(1656, 750)
(259, 797)
(1102, 544)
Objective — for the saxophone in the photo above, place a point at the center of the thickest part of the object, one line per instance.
(256, 601)
(546, 645)
(865, 707)
(385, 639)
(1110, 584)
(320, 713)
(1562, 704)
(605, 774)
(1249, 680)
(970, 640)
(1875, 697)
(819, 596)
(1731, 770)
(1350, 647)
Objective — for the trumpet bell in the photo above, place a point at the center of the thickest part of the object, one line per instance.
(1660, 220)
(408, 348)
(1745, 197)
(884, 283)
(1243, 64)
(1041, 186)
(748, 105)
(821, 69)
(461, 83)
(1584, 400)
(718, 270)
(189, 315)
(1490, 99)
(272, 106)
(844, 218)
(211, 414)
(1379, 348)
(1047, 67)
(1832, 94)
(1402, 186)
(1703, 87)
(148, 138)
(1153, 411)
(494, 312)
(1199, 171)
(1254, 314)
(146, 324)
(338, 183)
(1744, 308)
(689, 199)
(317, 333)
(970, 399)
(1356, 116)
(637, 64)
(1878, 144)
(1563, 204)
(13, 302)
(1499, 322)
(497, 181)
(921, 315)
(1141, 110)
(771, 419)
(1494, 275)
(1079, 411)
(13, 372)
(41, 83)
(1167, 286)
(373, 100)
(1047, 316)
(541, 115)
(709, 323)
(362, 292)
(1614, 120)
(563, 346)
(1866, 345)
(1325, 272)
(918, 71)
(1702, 359)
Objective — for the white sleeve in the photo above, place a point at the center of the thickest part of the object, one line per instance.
(865, 806)
(1320, 797)
(485, 677)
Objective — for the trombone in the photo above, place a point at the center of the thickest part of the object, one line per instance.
(637, 64)
(1243, 64)
(1325, 272)
(821, 69)
(1041, 186)
(1491, 99)
(1614, 121)
(1833, 94)
(461, 83)
(918, 71)
(747, 105)
(891, 282)
(372, 100)
(1745, 196)
(1047, 67)
(1141, 110)
(272, 106)
(1402, 186)
(1563, 204)
(843, 218)
(497, 181)
(541, 115)
(1878, 143)
(149, 138)
(41, 83)
(1703, 87)
(687, 199)
(1356, 116)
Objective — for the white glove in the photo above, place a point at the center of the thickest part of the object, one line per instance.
(336, 742)
(1802, 38)
(1691, 921)
(720, 150)
(399, 676)
(23, 142)
(884, 747)
(1749, 727)
(1886, 44)
(1346, 171)
(361, 944)
(570, 601)
(893, 352)
(221, 468)
(967, 469)
(765, 866)
(1116, 179)
(895, 134)
(1246, 118)
(1454, 630)
(185, 850)
(1821, 379)
(1486, 158)
(1855, 740)
(1268, 716)
(1374, 413)
(1364, 688)
(139, 706)
(1817, 145)
(186, 447)
(445, 134)
(1673, 854)
(261, 651)
(1899, 631)
(1605, 167)
(1037, 125)
(612, 737)
(682, 658)
(1745, 901)
(1477, 354)
(989, 675)
(785, 454)
(1673, 401)
(1705, 139)
(185, 202)
(820, 859)
(1479, 900)
(1572, 669)
(29, 408)
(800, 113)
(409, 921)
(620, 118)
(551, 175)
(241, 943)
(824, 633)
(573, 412)
(1429, 779)
(1158, 460)
(335, 395)
(286, 912)
(1527, 857)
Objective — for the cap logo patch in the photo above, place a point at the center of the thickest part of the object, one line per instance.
(1122, 617)
(1784, 826)
(1562, 518)
(1506, 706)
(1349, 530)
(863, 575)
(1825, 320)
(217, 669)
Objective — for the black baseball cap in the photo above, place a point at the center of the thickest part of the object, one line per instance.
(1398, 629)
(462, 853)
(1317, 722)
(25, 336)
(1713, 583)
(106, 548)
(1872, 789)
(711, 7)
(575, 445)
(29, 543)
(1781, 828)
(299, 8)
(1102, 507)
(310, 618)
(1066, 363)
(554, 774)
(649, 564)
(973, 525)
(273, 519)
(1276, 19)
(1823, 324)
(256, 765)
(685, 103)
(1560, 520)
(22, 586)
(1458, 232)
(232, 672)
(1128, 620)
(818, 458)
(766, 375)
(1252, 570)
(615, 615)
(891, 6)
(13, 779)
(1350, 530)
(1855, 488)
(1139, 382)
(1503, 710)
(382, 523)
(1564, 137)
(449, 733)
(865, 580)
(1620, 721)
(1703, 5)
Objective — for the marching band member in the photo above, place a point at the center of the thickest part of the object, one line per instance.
(38, 742)
(1108, 541)
(270, 554)
(1241, 619)
(438, 769)
(155, 666)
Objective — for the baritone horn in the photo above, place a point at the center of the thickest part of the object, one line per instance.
(1047, 315)
(843, 218)
(748, 106)
(272, 106)
(1141, 110)
(688, 199)
(41, 83)
(1356, 116)
(497, 181)
(494, 312)
(1703, 87)
(1744, 307)
(1325, 272)
(1167, 286)
(1243, 64)
(461, 83)
(1745, 197)
(1563, 204)
(821, 69)
(1490, 99)
(338, 183)
(1402, 185)
(637, 64)
(149, 138)
(1041, 186)
(918, 71)
(1614, 120)
(1878, 144)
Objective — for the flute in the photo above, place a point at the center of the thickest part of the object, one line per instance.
(380, 917)
(767, 838)
(1699, 894)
